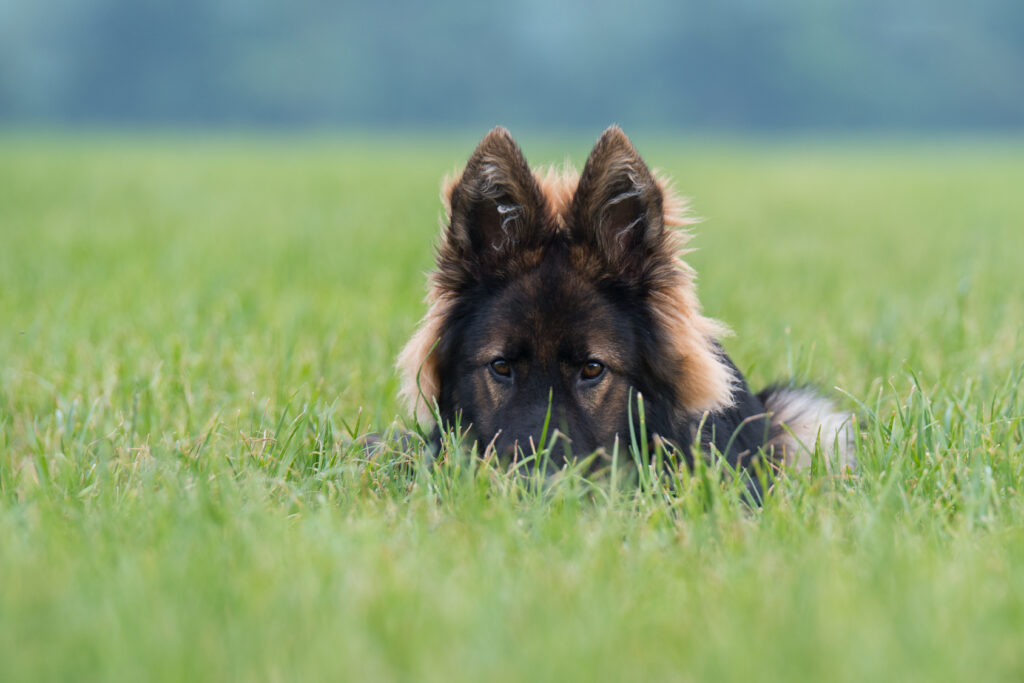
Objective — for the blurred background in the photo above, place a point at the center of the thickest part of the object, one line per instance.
(734, 65)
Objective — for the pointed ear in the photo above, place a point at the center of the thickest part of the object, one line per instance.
(495, 207)
(618, 208)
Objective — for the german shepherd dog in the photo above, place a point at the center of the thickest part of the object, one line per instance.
(564, 297)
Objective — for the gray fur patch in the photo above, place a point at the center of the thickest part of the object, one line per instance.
(800, 417)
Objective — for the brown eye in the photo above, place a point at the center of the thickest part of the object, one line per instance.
(592, 370)
(501, 367)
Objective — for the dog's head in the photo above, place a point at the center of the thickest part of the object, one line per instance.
(557, 295)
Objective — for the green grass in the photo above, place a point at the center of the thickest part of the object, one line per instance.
(192, 331)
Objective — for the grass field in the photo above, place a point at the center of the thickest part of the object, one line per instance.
(193, 329)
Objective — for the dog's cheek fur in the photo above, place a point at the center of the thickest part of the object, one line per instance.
(419, 363)
(467, 396)
(479, 400)
(606, 408)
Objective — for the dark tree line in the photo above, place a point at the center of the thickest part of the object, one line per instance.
(731, 64)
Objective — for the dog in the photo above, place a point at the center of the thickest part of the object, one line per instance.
(563, 299)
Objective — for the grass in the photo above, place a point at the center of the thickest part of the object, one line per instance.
(194, 330)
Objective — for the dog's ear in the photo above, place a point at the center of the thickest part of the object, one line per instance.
(494, 208)
(618, 206)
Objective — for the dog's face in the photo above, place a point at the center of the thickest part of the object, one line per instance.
(546, 347)
(561, 296)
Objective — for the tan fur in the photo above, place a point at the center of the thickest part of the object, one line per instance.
(705, 381)
(421, 378)
(558, 185)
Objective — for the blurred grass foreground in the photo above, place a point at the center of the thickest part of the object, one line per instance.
(192, 333)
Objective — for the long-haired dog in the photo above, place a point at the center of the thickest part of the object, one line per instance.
(561, 298)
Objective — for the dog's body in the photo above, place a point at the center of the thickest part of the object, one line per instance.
(567, 296)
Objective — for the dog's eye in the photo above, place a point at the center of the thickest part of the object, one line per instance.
(592, 370)
(501, 367)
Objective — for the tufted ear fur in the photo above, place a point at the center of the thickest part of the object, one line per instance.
(618, 208)
(494, 227)
(619, 220)
(495, 211)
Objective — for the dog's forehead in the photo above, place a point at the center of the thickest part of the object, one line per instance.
(553, 298)
(551, 312)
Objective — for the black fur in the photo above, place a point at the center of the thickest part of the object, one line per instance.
(572, 309)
